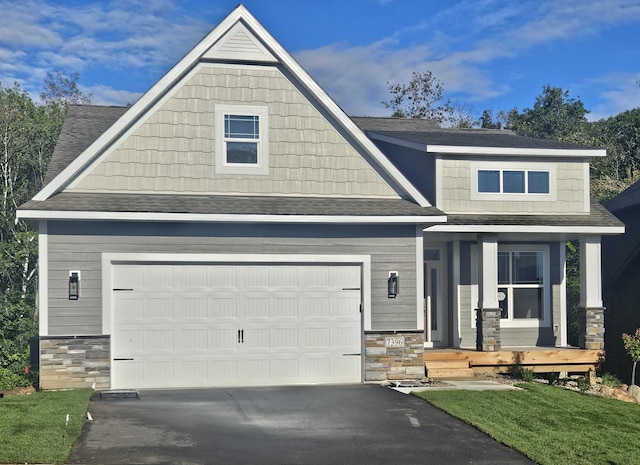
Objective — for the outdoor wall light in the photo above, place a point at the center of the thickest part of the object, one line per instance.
(392, 285)
(74, 285)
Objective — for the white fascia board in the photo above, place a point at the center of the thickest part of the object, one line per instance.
(450, 228)
(224, 218)
(511, 151)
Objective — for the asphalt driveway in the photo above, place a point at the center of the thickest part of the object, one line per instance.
(354, 424)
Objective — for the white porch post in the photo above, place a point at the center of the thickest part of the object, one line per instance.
(488, 272)
(591, 311)
(488, 317)
(590, 272)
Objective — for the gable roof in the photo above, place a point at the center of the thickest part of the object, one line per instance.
(427, 136)
(630, 197)
(239, 29)
(82, 125)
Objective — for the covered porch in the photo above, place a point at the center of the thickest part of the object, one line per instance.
(455, 363)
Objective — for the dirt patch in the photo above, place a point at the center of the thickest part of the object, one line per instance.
(18, 391)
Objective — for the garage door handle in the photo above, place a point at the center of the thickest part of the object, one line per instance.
(351, 355)
(241, 336)
(122, 359)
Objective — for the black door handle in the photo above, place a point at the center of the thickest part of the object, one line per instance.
(242, 335)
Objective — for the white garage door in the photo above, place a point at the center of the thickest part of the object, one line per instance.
(234, 325)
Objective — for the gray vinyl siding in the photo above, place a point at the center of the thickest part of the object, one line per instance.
(419, 167)
(511, 337)
(79, 246)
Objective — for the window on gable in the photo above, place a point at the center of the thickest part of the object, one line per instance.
(241, 136)
(242, 145)
(513, 181)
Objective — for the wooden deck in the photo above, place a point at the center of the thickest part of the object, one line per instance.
(449, 363)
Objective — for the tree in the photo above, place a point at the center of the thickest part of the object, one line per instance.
(28, 134)
(420, 98)
(555, 115)
(59, 88)
(632, 346)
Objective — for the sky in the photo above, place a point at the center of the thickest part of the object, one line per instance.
(488, 54)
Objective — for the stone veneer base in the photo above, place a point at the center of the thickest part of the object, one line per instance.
(393, 356)
(72, 362)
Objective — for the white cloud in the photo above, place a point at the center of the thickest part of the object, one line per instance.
(104, 95)
(619, 92)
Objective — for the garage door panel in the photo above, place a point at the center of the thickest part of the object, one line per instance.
(232, 325)
(222, 307)
(128, 308)
(284, 307)
(159, 308)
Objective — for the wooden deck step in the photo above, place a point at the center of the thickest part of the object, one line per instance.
(452, 364)
(448, 369)
(439, 373)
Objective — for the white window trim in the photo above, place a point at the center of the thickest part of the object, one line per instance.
(221, 165)
(513, 166)
(519, 323)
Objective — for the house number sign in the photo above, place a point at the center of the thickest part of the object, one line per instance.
(394, 341)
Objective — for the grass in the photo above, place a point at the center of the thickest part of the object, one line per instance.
(551, 426)
(34, 429)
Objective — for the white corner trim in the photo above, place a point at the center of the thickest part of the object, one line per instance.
(510, 151)
(109, 259)
(43, 279)
(439, 200)
(587, 188)
(419, 279)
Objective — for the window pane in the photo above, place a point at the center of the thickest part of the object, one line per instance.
(434, 299)
(503, 301)
(242, 152)
(488, 181)
(527, 267)
(513, 182)
(527, 303)
(241, 127)
(503, 267)
(538, 182)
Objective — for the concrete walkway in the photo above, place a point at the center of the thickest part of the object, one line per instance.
(459, 384)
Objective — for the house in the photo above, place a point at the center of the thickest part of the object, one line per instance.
(235, 227)
(620, 274)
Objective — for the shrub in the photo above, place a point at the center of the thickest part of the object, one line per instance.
(610, 380)
(526, 375)
(553, 378)
(9, 380)
(584, 383)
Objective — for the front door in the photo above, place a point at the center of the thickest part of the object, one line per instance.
(436, 320)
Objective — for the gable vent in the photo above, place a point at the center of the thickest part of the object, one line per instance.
(239, 44)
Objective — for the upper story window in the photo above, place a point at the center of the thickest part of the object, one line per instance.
(512, 180)
(242, 144)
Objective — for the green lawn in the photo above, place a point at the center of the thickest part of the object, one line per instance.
(34, 429)
(550, 425)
